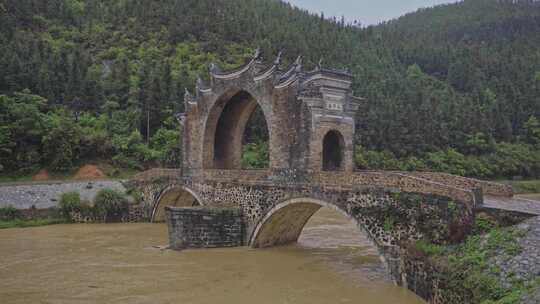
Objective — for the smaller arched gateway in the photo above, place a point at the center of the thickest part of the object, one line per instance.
(333, 151)
(173, 196)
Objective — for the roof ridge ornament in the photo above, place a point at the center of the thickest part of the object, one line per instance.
(278, 58)
(319, 64)
(214, 68)
(199, 84)
(188, 98)
(187, 94)
(200, 87)
(298, 64)
(181, 118)
(257, 54)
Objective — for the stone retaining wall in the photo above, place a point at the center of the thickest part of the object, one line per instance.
(198, 227)
(47, 195)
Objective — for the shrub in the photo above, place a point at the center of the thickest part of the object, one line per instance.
(374, 160)
(255, 155)
(110, 205)
(9, 213)
(70, 202)
(483, 224)
(429, 249)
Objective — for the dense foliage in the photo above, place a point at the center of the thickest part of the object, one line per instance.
(70, 202)
(110, 205)
(453, 88)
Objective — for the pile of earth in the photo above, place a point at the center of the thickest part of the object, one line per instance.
(89, 172)
(42, 175)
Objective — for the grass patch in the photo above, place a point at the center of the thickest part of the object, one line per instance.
(470, 272)
(18, 223)
(429, 249)
(15, 178)
(525, 186)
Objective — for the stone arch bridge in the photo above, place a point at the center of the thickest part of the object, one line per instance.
(310, 120)
(391, 208)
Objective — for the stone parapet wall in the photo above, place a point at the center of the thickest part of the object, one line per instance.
(466, 190)
(488, 188)
(399, 182)
(245, 176)
(204, 227)
(157, 173)
(346, 180)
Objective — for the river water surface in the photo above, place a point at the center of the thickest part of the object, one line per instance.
(126, 263)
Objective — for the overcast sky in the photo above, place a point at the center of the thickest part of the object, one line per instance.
(366, 11)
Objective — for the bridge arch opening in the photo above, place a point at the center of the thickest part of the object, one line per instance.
(284, 223)
(175, 196)
(333, 151)
(236, 122)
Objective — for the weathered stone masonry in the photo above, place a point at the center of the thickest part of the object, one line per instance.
(204, 227)
(310, 120)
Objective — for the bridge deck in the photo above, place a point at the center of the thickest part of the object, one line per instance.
(517, 204)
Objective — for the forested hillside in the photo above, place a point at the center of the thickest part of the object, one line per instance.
(453, 88)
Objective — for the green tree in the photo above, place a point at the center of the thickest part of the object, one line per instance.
(61, 141)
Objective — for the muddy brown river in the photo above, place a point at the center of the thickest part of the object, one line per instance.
(125, 263)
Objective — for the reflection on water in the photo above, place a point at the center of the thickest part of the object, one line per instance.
(123, 263)
(338, 242)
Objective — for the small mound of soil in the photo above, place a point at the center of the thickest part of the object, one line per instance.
(89, 172)
(42, 175)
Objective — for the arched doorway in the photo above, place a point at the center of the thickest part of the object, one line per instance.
(333, 146)
(175, 196)
(225, 133)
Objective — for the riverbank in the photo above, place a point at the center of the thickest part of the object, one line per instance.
(496, 264)
(89, 171)
(20, 223)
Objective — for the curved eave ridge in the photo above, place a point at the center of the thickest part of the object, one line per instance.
(267, 74)
(287, 82)
(232, 74)
(216, 73)
(356, 98)
(290, 76)
(336, 72)
(328, 73)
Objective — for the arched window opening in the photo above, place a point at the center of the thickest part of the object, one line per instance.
(333, 151)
